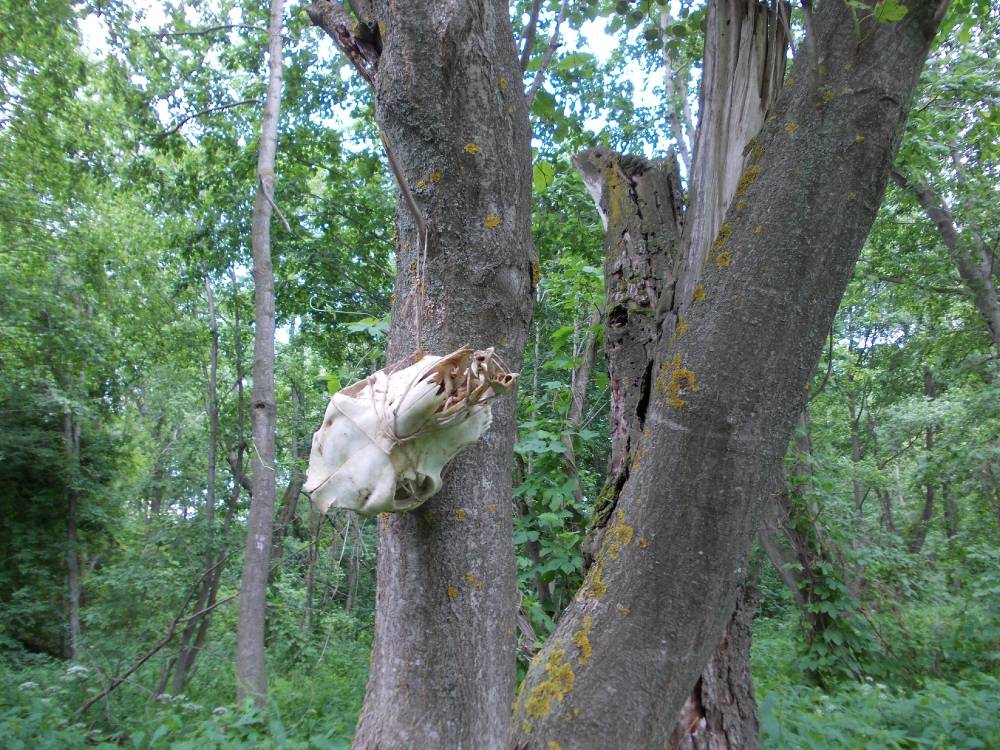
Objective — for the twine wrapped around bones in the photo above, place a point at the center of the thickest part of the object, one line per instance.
(385, 439)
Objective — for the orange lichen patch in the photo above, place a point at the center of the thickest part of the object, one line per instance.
(452, 593)
(758, 229)
(619, 535)
(643, 542)
(724, 260)
(680, 379)
(553, 745)
(791, 127)
(699, 293)
(503, 83)
(421, 184)
(582, 639)
(460, 514)
(740, 205)
(492, 221)
(472, 148)
(594, 587)
(748, 178)
(471, 579)
(510, 109)
(557, 686)
(436, 177)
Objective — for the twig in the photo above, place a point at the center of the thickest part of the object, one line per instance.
(270, 199)
(553, 44)
(210, 110)
(208, 30)
(154, 650)
(529, 34)
(829, 367)
(418, 217)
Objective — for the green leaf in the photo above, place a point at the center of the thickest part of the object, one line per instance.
(542, 174)
(890, 11)
(574, 60)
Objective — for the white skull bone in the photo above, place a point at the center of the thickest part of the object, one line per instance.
(385, 439)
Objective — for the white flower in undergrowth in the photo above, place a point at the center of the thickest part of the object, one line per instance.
(191, 706)
(77, 669)
(220, 710)
(385, 440)
(27, 685)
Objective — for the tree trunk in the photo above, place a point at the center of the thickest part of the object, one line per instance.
(920, 527)
(251, 675)
(727, 386)
(721, 712)
(290, 498)
(640, 205)
(975, 262)
(71, 442)
(449, 103)
(196, 629)
(578, 402)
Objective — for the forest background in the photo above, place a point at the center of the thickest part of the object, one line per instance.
(126, 347)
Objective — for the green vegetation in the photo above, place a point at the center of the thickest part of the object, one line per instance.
(119, 218)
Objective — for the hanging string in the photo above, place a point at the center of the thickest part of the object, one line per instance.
(422, 234)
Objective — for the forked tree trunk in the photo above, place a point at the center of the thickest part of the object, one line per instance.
(728, 382)
(641, 206)
(251, 674)
(449, 100)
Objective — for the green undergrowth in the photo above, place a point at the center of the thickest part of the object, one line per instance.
(315, 697)
(954, 712)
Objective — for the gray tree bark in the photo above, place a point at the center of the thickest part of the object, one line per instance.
(449, 101)
(726, 390)
(251, 673)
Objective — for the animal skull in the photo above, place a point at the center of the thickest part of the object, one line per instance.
(385, 439)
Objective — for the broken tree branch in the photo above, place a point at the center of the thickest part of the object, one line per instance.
(553, 44)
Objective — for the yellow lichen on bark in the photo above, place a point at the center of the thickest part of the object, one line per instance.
(582, 639)
(460, 514)
(594, 587)
(619, 535)
(492, 221)
(452, 593)
(724, 260)
(749, 176)
(472, 148)
(559, 683)
(699, 293)
(673, 379)
(471, 579)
